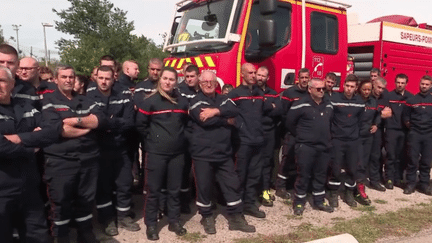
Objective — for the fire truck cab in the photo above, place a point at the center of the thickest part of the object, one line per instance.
(283, 35)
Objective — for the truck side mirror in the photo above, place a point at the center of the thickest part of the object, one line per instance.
(268, 7)
(267, 33)
(175, 25)
(289, 79)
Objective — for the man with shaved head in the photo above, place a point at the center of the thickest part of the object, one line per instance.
(249, 98)
(30, 74)
(130, 71)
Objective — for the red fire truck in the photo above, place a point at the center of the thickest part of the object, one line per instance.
(286, 35)
(394, 44)
(283, 35)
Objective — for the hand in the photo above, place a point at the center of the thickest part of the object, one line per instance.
(37, 129)
(373, 129)
(231, 121)
(71, 121)
(207, 113)
(13, 138)
(386, 112)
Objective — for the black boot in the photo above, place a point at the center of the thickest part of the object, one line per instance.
(238, 222)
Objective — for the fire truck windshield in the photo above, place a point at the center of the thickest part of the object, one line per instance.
(207, 20)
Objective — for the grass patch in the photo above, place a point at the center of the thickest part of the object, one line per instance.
(193, 237)
(366, 228)
(362, 208)
(292, 216)
(401, 200)
(287, 202)
(338, 219)
(379, 201)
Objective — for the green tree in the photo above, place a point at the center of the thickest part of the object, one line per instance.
(98, 28)
(2, 40)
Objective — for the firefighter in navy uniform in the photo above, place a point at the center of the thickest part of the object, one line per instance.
(348, 109)
(287, 167)
(148, 85)
(71, 165)
(212, 154)
(188, 89)
(417, 116)
(21, 132)
(396, 133)
(161, 120)
(309, 120)
(250, 100)
(115, 167)
(375, 168)
(270, 120)
(369, 125)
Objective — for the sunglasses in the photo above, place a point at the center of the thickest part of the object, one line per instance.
(319, 89)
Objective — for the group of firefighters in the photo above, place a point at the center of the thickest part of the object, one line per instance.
(83, 143)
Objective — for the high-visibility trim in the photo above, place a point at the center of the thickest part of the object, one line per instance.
(299, 106)
(62, 222)
(329, 106)
(398, 101)
(198, 103)
(188, 96)
(123, 209)
(248, 98)
(180, 64)
(347, 104)
(318, 193)
(350, 186)
(209, 61)
(91, 89)
(184, 190)
(271, 96)
(289, 99)
(300, 196)
(104, 205)
(167, 63)
(163, 190)
(2, 117)
(173, 62)
(26, 96)
(47, 91)
(281, 176)
(203, 205)
(226, 101)
(334, 183)
(149, 113)
(82, 219)
(188, 60)
(118, 102)
(234, 203)
(199, 62)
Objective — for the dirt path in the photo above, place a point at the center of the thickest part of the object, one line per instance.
(279, 219)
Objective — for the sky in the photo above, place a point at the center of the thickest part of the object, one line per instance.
(154, 17)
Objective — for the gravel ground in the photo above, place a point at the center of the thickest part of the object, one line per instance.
(279, 219)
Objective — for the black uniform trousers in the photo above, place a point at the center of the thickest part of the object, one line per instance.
(364, 152)
(248, 168)
(115, 177)
(268, 158)
(163, 170)
(345, 155)
(25, 212)
(287, 167)
(375, 157)
(71, 191)
(395, 147)
(312, 164)
(228, 180)
(420, 157)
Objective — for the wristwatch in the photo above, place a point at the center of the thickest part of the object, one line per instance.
(79, 121)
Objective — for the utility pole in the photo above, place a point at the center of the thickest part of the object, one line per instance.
(46, 54)
(16, 28)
